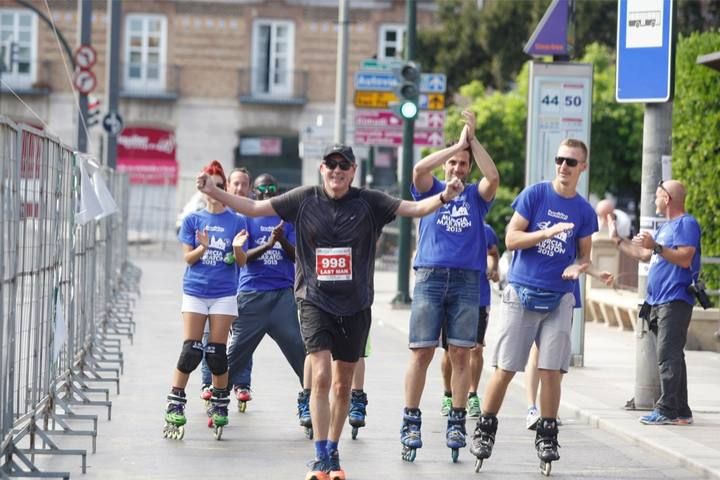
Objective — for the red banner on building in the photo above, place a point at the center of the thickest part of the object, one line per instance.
(148, 155)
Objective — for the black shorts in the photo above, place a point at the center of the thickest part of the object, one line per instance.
(482, 327)
(344, 336)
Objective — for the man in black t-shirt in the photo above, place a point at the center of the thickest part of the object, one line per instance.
(337, 227)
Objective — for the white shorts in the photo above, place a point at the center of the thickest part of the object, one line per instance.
(210, 306)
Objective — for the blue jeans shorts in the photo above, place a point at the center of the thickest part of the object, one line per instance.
(445, 294)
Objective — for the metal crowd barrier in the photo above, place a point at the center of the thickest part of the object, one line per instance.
(67, 292)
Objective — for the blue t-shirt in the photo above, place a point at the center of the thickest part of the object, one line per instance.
(668, 282)
(211, 276)
(490, 241)
(453, 236)
(541, 265)
(273, 270)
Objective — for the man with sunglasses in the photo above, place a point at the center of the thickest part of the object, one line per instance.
(674, 256)
(337, 227)
(266, 305)
(551, 235)
(450, 262)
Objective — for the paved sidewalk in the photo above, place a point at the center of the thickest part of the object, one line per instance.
(597, 392)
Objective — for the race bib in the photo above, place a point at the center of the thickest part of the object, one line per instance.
(333, 264)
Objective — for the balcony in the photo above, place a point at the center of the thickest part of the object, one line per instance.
(281, 87)
(150, 81)
(24, 85)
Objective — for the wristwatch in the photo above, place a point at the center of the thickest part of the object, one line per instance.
(657, 249)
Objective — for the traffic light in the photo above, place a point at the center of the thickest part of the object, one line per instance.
(407, 91)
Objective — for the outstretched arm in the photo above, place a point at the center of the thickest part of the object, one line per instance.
(430, 204)
(629, 248)
(246, 206)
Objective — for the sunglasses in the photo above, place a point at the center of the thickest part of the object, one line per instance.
(331, 163)
(661, 187)
(221, 186)
(269, 188)
(571, 162)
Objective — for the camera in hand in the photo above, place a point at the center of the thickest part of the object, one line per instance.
(697, 288)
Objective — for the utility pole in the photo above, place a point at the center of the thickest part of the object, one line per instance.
(402, 297)
(341, 69)
(84, 36)
(114, 9)
(657, 132)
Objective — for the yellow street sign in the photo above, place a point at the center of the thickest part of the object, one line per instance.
(436, 101)
(374, 99)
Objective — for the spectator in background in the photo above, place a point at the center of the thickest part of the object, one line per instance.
(674, 256)
(622, 220)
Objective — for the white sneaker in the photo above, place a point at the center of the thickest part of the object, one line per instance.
(533, 417)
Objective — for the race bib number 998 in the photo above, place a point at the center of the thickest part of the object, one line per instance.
(333, 264)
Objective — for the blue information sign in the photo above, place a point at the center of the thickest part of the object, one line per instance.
(645, 51)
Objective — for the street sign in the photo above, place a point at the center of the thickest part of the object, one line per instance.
(430, 120)
(113, 123)
(644, 51)
(431, 101)
(374, 99)
(375, 81)
(550, 35)
(85, 57)
(426, 119)
(393, 137)
(433, 83)
(84, 81)
(375, 64)
(377, 118)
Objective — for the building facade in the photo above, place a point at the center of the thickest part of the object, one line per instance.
(246, 82)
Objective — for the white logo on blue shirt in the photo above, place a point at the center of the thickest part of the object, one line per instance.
(555, 245)
(455, 216)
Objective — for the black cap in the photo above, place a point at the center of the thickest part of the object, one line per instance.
(340, 149)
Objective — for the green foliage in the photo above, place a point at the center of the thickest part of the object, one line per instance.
(500, 213)
(616, 134)
(696, 144)
(454, 46)
(501, 119)
(486, 44)
(616, 141)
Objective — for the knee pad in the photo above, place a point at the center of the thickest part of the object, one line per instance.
(190, 356)
(216, 358)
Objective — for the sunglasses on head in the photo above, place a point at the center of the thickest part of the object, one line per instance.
(571, 162)
(331, 163)
(661, 187)
(269, 188)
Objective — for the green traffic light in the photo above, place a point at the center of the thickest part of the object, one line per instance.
(408, 110)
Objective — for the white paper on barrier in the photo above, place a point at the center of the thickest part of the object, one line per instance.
(89, 206)
(104, 196)
(60, 328)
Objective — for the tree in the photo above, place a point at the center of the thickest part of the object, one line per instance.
(696, 145)
(454, 47)
(486, 44)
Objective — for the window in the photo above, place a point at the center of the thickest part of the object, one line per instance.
(273, 47)
(145, 44)
(392, 40)
(18, 31)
